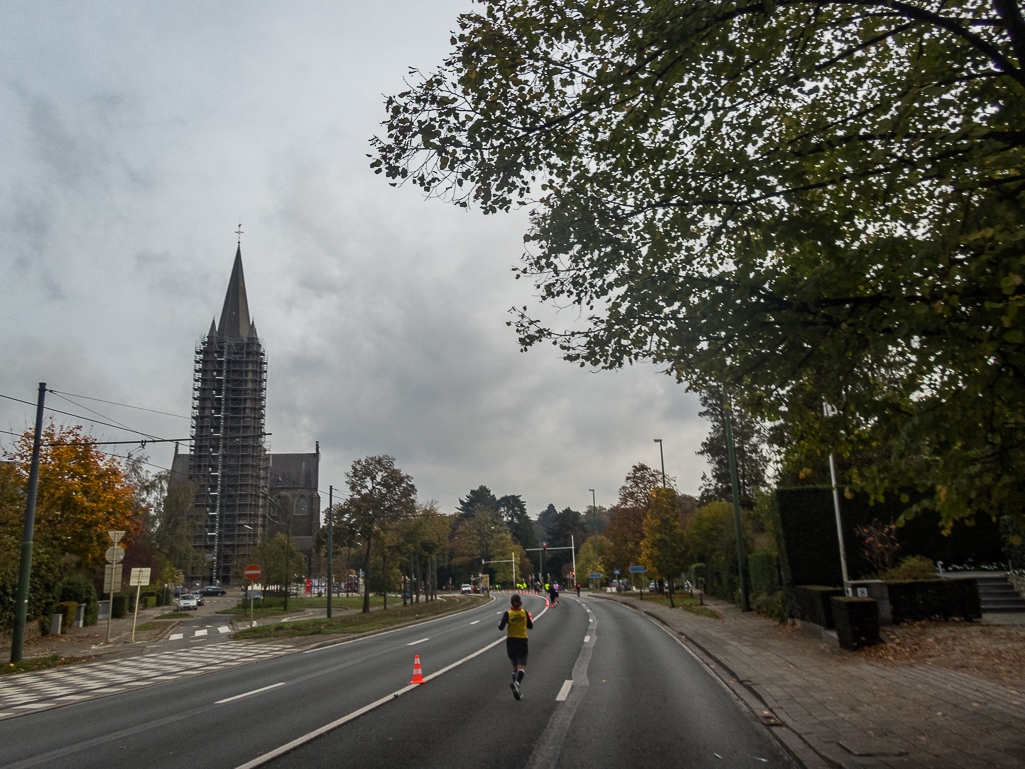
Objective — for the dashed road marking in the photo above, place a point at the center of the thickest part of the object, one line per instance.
(564, 691)
(418, 642)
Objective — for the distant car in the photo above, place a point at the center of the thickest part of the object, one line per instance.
(213, 590)
(466, 589)
(187, 601)
(199, 598)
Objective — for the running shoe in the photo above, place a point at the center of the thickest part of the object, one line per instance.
(516, 690)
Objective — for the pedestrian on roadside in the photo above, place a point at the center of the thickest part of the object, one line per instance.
(516, 622)
(578, 590)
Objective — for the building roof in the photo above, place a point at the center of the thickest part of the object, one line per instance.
(294, 471)
(235, 323)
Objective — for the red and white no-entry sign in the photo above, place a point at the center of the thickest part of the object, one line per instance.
(252, 571)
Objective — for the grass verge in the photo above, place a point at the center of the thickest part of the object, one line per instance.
(174, 615)
(35, 663)
(361, 623)
(274, 606)
(151, 626)
(685, 602)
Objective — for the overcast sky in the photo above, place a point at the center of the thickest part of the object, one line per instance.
(133, 139)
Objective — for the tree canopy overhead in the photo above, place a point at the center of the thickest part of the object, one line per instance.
(812, 200)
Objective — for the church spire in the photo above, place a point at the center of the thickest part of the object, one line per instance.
(234, 323)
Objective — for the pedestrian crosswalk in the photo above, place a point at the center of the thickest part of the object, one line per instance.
(198, 633)
(26, 692)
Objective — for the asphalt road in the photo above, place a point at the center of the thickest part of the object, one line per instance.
(636, 698)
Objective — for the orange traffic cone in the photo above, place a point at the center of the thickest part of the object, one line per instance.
(546, 603)
(418, 677)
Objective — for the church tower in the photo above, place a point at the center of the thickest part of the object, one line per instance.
(229, 462)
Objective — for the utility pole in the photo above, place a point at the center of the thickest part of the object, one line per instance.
(330, 546)
(662, 457)
(594, 512)
(744, 603)
(25, 572)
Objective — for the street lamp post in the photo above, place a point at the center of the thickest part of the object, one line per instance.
(662, 457)
(594, 512)
(330, 546)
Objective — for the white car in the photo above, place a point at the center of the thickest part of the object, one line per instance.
(466, 589)
(187, 601)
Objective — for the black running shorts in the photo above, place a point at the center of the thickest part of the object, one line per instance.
(516, 648)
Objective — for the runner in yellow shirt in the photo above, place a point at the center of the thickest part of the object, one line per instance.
(518, 622)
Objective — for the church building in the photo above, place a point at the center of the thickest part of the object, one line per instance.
(244, 494)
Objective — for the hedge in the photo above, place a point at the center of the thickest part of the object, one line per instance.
(762, 572)
(857, 621)
(119, 606)
(811, 603)
(92, 613)
(76, 587)
(697, 575)
(809, 552)
(934, 598)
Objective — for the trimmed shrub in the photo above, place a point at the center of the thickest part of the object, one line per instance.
(76, 587)
(67, 611)
(149, 601)
(762, 572)
(119, 606)
(911, 568)
(697, 576)
(92, 613)
(811, 603)
(934, 599)
(857, 621)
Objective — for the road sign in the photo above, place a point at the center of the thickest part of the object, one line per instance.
(139, 577)
(115, 535)
(594, 575)
(638, 569)
(112, 577)
(615, 571)
(115, 554)
(252, 571)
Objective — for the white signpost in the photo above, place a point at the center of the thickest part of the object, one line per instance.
(112, 573)
(138, 579)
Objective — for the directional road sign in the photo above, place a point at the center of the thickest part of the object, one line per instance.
(638, 569)
(594, 575)
(252, 571)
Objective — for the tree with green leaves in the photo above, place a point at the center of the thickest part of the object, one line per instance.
(380, 495)
(281, 562)
(664, 547)
(595, 557)
(749, 438)
(811, 201)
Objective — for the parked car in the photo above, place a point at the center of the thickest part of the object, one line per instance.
(187, 601)
(213, 590)
(199, 598)
(466, 589)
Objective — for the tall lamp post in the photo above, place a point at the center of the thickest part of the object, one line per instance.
(330, 546)
(662, 457)
(594, 512)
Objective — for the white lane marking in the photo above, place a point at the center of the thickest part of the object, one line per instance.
(475, 622)
(587, 638)
(224, 629)
(590, 619)
(254, 691)
(258, 761)
(176, 637)
(564, 691)
(418, 642)
(200, 632)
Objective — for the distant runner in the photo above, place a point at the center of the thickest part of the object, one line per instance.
(555, 589)
(518, 622)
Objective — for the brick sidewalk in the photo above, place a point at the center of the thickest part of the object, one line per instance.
(833, 709)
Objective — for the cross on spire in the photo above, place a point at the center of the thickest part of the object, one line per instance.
(239, 233)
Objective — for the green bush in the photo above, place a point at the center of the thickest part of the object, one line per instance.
(1013, 540)
(857, 621)
(911, 568)
(67, 611)
(92, 613)
(119, 606)
(697, 576)
(44, 625)
(811, 603)
(934, 599)
(762, 572)
(149, 601)
(76, 587)
(770, 605)
(47, 573)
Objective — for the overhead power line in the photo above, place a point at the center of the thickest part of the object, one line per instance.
(125, 405)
